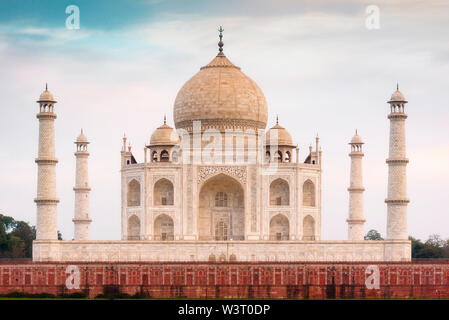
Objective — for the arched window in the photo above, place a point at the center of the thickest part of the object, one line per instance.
(232, 257)
(287, 156)
(279, 228)
(308, 194)
(221, 231)
(164, 156)
(279, 193)
(133, 228)
(267, 156)
(163, 228)
(133, 196)
(221, 199)
(308, 228)
(154, 156)
(174, 156)
(212, 258)
(163, 193)
(279, 156)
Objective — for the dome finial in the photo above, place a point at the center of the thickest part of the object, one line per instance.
(46, 86)
(277, 119)
(220, 43)
(165, 119)
(397, 86)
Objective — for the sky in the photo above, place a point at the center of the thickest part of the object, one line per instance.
(320, 67)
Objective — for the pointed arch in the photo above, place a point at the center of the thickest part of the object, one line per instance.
(308, 228)
(279, 228)
(267, 156)
(165, 157)
(221, 209)
(133, 193)
(154, 156)
(174, 156)
(308, 193)
(278, 156)
(279, 193)
(133, 228)
(163, 228)
(163, 193)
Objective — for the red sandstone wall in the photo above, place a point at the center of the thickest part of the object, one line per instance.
(230, 280)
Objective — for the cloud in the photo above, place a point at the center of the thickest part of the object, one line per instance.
(320, 69)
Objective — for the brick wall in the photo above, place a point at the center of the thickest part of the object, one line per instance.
(230, 280)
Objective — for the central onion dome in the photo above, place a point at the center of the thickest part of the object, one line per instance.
(222, 97)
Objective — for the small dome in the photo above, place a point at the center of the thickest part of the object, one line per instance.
(82, 138)
(46, 95)
(164, 136)
(356, 139)
(397, 96)
(283, 136)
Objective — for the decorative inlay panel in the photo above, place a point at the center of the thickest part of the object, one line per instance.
(238, 172)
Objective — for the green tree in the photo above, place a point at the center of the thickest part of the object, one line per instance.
(26, 233)
(433, 248)
(373, 235)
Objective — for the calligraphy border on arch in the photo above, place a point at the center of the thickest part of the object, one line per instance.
(238, 172)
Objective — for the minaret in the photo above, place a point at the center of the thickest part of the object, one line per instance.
(46, 201)
(82, 219)
(397, 162)
(356, 219)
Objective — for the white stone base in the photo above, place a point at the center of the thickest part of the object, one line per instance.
(123, 251)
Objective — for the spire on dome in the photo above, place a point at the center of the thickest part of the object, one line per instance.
(46, 96)
(277, 119)
(165, 119)
(397, 96)
(220, 43)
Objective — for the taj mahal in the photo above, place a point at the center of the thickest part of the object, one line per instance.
(219, 186)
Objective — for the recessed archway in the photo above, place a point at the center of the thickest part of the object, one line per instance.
(133, 228)
(221, 212)
(279, 228)
(133, 196)
(308, 228)
(279, 193)
(308, 194)
(163, 228)
(163, 194)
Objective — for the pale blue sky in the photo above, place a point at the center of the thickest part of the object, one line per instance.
(319, 67)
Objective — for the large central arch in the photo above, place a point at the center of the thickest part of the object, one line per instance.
(221, 209)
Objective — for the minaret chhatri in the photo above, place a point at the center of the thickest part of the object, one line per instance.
(397, 162)
(356, 219)
(46, 201)
(82, 218)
